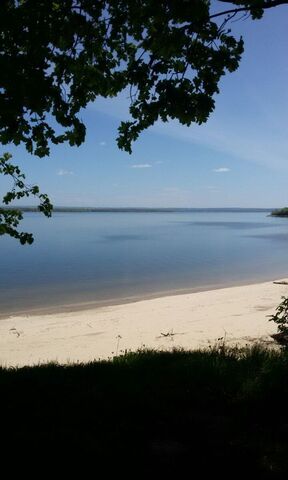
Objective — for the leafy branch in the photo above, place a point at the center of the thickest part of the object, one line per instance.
(280, 317)
(10, 218)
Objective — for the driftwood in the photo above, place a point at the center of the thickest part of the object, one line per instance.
(169, 334)
(281, 283)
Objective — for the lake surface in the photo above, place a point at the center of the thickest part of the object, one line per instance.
(111, 256)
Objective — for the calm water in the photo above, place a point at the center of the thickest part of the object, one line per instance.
(95, 257)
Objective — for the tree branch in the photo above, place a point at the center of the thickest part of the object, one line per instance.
(10, 218)
(265, 5)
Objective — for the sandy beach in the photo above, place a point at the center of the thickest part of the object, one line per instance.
(236, 315)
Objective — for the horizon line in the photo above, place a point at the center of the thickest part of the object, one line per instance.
(127, 208)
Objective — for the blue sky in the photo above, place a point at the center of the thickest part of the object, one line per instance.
(238, 159)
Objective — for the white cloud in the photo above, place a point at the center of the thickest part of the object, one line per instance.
(221, 170)
(103, 144)
(62, 172)
(141, 165)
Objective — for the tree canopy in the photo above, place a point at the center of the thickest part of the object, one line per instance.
(57, 56)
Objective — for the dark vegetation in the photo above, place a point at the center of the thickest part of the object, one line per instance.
(280, 317)
(220, 412)
(281, 212)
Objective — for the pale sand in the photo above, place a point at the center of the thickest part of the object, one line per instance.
(237, 314)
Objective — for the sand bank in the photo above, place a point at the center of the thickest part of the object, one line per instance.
(237, 314)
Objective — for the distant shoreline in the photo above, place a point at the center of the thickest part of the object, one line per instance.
(137, 209)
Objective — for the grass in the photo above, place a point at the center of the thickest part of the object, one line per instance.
(214, 412)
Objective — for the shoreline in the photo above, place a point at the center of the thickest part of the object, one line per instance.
(117, 301)
(236, 315)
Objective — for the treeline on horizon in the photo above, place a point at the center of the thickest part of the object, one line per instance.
(281, 212)
(144, 209)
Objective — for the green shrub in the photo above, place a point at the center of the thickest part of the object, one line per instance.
(280, 317)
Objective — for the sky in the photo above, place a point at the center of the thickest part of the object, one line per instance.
(239, 158)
